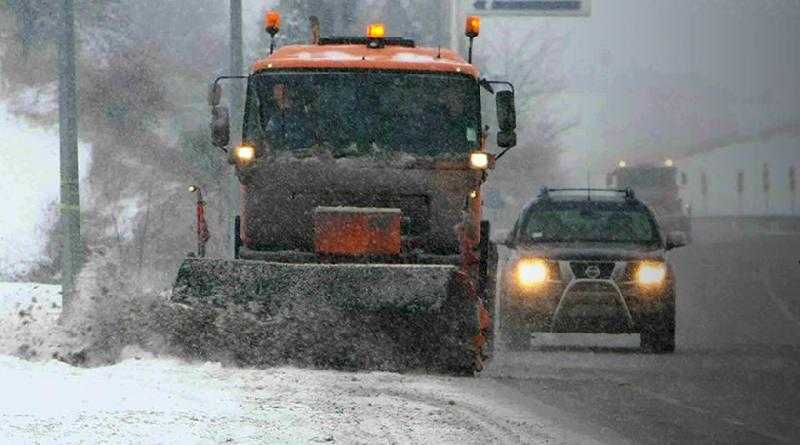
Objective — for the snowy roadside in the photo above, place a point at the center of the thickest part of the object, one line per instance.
(165, 401)
(145, 399)
(28, 321)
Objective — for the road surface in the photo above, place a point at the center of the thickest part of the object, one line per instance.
(735, 377)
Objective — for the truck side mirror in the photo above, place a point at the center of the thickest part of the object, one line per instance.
(676, 239)
(220, 126)
(506, 119)
(506, 139)
(214, 95)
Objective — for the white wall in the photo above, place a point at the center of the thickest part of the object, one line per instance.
(721, 167)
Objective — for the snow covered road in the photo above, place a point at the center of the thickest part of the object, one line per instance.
(145, 399)
(165, 401)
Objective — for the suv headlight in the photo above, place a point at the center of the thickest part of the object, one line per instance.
(651, 273)
(531, 272)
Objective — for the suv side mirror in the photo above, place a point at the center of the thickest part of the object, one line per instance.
(220, 126)
(503, 237)
(675, 240)
(506, 119)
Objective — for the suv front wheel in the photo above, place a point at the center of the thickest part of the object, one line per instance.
(658, 331)
(515, 332)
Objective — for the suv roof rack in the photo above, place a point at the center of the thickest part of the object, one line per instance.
(387, 41)
(544, 192)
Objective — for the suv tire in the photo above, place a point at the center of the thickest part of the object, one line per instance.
(658, 332)
(516, 340)
(516, 336)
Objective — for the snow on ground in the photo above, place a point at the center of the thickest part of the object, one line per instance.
(28, 320)
(145, 399)
(165, 401)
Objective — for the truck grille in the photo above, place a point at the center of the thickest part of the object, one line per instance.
(591, 270)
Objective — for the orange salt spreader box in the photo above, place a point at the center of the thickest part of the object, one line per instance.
(351, 231)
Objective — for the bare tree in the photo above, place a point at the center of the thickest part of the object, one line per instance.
(144, 68)
(530, 58)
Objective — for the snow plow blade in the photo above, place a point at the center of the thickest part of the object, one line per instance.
(337, 316)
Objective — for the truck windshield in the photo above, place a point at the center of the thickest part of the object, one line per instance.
(354, 113)
(588, 224)
(644, 178)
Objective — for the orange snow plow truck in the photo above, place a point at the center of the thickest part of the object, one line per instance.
(360, 242)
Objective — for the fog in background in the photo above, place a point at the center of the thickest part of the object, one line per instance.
(666, 77)
(637, 78)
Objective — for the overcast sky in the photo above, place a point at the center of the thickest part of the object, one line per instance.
(641, 75)
(658, 75)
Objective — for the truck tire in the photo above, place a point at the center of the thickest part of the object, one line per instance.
(237, 236)
(658, 332)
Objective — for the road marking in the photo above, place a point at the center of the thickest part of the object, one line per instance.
(784, 308)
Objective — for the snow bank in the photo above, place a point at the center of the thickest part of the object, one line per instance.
(111, 311)
(28, 321)
(165, 401)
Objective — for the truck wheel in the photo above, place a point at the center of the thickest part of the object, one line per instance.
(237, 236)
(658, 333)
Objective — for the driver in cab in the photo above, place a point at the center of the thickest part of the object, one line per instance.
(289, 126)
(450, 108)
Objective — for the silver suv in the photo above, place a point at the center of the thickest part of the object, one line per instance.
(588, 260)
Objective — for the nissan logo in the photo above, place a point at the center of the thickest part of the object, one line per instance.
(592, 271)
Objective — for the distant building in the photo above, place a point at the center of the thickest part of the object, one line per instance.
(750, 178)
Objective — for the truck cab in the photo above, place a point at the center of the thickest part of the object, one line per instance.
(372, 122)
(657, 186)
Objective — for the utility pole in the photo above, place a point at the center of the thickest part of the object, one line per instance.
(236, 68)
(72, 253)
(456, 26)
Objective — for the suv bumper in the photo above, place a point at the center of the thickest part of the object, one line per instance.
(610, 305)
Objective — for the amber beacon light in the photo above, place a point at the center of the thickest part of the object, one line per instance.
(272, 22)
(376, 31)
(473, 26)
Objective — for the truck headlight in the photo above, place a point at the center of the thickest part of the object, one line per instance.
(651, 273)
(531, 272)
(245, 153)
(479, 160)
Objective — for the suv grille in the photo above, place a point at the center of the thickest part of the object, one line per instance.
(591, 270)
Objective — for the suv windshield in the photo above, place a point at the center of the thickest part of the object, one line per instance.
(354, 113)
(590, 223)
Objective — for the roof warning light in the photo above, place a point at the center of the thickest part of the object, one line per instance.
(473, 26)
(376, 31)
